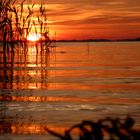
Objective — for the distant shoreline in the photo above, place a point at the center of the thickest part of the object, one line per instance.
(86, 40)
(99, 40)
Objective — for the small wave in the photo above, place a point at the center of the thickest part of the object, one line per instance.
(81, 107)
(84, 107)
(50, 107)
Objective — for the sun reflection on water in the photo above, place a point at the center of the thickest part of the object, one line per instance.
(28, 128)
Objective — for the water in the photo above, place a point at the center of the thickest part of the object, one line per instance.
(73, 82)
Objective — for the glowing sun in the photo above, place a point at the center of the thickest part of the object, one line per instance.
(33, 37)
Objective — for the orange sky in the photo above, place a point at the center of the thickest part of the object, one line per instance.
(93, 19)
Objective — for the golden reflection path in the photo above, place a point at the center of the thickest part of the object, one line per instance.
(17, 72)
(28, 128)
(100, 99)
(40, 129)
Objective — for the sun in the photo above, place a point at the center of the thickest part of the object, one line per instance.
(33, 36)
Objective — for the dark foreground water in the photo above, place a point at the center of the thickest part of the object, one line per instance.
(73, 82)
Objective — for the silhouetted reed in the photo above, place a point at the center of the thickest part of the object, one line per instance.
(16, 24)
(17, 21)
(105, 129)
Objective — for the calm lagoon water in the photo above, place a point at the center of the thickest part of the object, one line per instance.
(73, 82)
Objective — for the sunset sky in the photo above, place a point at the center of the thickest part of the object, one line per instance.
(93, 19)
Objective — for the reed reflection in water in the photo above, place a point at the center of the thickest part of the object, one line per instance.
(20, 69)
(71, 83)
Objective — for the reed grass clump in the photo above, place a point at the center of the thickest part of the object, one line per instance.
(105, 129)
(17, 21)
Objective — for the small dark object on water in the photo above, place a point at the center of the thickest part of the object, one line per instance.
(62, 52)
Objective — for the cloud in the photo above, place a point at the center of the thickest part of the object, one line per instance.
(102, 20)
(91, 14)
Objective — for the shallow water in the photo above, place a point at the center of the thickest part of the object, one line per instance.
(73, 82)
